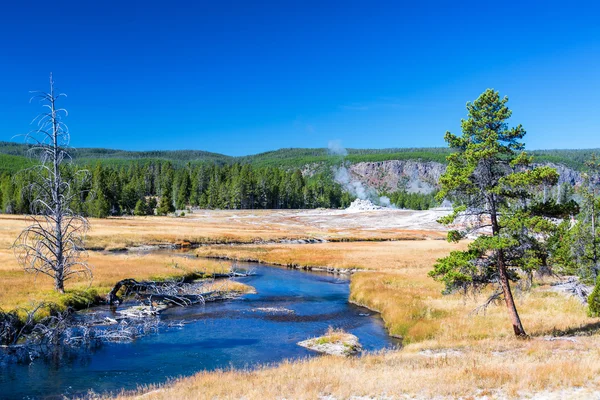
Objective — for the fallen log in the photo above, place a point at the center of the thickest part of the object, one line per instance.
(179, 292)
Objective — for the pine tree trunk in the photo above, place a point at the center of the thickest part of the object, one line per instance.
(504, 282)
(508, 298)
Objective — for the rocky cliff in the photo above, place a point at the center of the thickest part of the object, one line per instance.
(422, 176)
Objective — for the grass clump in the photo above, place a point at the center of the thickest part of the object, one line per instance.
(333, 335)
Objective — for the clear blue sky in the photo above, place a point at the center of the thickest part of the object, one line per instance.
(251, 76)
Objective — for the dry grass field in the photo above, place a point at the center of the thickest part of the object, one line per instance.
(395, 283)
(501, 368)
(18, 289)
(449, 351)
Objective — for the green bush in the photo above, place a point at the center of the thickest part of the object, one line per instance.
(594, 301)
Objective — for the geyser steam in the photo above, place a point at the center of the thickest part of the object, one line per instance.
(351, 185)
(335, 147)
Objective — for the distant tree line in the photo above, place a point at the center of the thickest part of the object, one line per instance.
(159, 187)
(413, 201)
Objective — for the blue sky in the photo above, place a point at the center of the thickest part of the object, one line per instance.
(246, 77)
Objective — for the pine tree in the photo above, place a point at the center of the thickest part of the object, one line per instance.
(141, 208)
(165, 206)
(491, 174)
(184, 189)
(151, 206)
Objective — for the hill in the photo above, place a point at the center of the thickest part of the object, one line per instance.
(284, 158)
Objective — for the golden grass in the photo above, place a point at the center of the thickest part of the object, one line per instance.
(449, 352)
(241, 226)
(503, 368)
(333, 335)
(381, 256)
(395, 283)
(20, 289)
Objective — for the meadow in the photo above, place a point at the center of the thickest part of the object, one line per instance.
(449, 350)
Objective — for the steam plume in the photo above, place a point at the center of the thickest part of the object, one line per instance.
(335, 147)
(351, 185)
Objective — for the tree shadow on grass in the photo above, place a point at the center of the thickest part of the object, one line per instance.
(589, 329)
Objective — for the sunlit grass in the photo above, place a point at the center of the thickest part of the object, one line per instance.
(496, 368)
(449, 351)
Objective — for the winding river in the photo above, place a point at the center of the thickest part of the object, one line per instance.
(289, 306)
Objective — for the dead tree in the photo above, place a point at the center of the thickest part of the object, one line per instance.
(53, 244)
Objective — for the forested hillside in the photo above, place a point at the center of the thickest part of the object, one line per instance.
(130, 182)
(285, 158)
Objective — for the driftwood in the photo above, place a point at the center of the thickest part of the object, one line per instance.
(33, 329)
(24, 339)
(183, 292)
(40, 330)
(574, 288)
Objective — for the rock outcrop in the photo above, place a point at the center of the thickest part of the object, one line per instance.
(423, 176)
(334, 342)
(393, 175)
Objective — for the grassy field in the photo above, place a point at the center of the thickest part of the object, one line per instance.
(449, 351)
(108, 236)
(395, 283)
(20, 289)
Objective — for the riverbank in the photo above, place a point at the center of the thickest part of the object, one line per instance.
(392, 280)
(21, 290)
(497, 368)
(206, 228)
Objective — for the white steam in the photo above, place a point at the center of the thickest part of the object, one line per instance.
(335, 147)
(385, 201)
(352, 185)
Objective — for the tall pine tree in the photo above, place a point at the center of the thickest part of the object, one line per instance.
(490, 173)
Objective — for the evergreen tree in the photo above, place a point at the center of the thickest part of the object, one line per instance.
(141, 208)
(8, 197)
(151, 206)
(184, 190)
(165, 206)
(492, 176)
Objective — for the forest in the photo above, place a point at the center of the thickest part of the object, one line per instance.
(119, 182)
(146, 188)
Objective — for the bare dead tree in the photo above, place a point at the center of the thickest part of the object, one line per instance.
(53, 244)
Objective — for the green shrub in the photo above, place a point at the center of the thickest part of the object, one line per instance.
(594, 301)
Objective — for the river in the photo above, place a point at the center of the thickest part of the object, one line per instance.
(237, 333)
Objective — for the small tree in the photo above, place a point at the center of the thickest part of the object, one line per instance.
(141, 208)
(579, 251)
(590, 248)
(53, 244)
(490, 173)
(165, 205)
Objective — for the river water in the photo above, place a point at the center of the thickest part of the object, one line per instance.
(235, 333)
